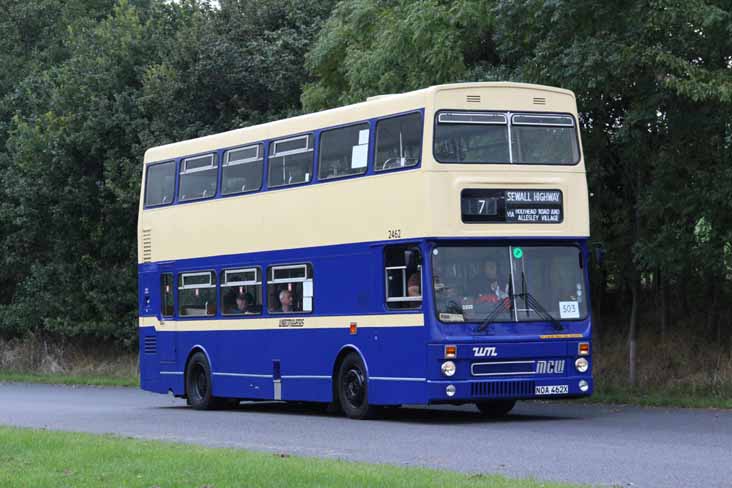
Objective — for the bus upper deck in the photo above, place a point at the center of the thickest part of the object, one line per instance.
(397, 165)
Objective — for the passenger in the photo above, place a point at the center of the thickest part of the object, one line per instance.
(490, 289)
(285, 298)
(414, 288)
(243, 303)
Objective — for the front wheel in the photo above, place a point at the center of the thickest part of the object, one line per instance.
(496, 408)
(353, 391)
(198, 384)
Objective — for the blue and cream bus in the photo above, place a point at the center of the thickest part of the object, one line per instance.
(421, 248)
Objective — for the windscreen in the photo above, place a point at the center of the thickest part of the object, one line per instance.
(508, 283)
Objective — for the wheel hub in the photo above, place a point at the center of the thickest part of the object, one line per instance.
(354, 387)
(200, 382)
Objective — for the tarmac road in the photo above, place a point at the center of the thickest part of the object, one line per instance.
(601, 445)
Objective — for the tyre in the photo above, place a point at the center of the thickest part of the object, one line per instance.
(198, 384)
(353, 390)
(495, 408)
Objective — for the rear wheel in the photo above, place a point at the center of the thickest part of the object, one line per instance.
(198, 384)
(353, 391)
(496, 408)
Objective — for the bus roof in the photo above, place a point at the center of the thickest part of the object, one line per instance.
(373, 106)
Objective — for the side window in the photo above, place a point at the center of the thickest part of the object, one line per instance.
(343, 152)
(291, 161)
(242, 170)
(403, 277)
(398, 142)
(166, 295)
(197, 294)
(290, 288)
(241, 291)
(198, 177)
(160, 183)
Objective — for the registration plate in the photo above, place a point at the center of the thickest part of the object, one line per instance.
(552, 390)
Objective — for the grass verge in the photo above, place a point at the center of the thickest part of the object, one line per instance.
(51, 459)
(682, 397)
(64, 379)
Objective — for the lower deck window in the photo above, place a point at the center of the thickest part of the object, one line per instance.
(290, 288)
(241, 291)
(403, 277)
(166, 295)
(197, 294)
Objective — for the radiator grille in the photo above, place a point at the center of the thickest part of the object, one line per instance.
(146, 245)
(503, 389)
(473, 98)
(539, 101)
(150, 345)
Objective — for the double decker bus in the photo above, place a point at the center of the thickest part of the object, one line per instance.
(421, 248)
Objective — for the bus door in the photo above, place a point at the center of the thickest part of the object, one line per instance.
(166, 314)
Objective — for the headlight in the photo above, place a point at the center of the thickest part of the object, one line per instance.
(582, 365)
(448, 368)
(583, 386)
(450, 390)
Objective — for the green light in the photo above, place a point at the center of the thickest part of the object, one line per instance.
(518, 253)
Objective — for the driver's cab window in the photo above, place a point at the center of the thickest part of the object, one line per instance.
(403, 277)
(398, 142)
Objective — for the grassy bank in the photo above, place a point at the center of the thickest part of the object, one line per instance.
(60, 459)
(680, 370)
(39, 360)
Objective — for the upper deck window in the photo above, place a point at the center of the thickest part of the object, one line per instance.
(544, 139)
(398, 142)
(472, 137)
(242, 170)
(160, 184)
(291, 161)
(343, 152)
(198, 178)
(497, 137)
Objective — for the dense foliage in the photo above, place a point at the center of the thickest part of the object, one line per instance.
(88, 85)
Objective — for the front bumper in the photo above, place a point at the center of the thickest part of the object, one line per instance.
(477, 390)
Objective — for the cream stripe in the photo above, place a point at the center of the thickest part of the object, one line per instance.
(297, 322)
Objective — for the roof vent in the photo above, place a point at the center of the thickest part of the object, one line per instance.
(473, 98)
(146, 245)
(539, 101)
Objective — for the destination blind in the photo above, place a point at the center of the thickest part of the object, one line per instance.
(526, 206)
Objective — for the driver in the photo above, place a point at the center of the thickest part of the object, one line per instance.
(489, 288)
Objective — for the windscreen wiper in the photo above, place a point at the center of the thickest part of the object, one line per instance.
(506, 304)
(503, 305)
(536, 306)
(540, 310)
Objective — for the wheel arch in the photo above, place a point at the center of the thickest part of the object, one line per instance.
(342, 353)
(194, 350)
